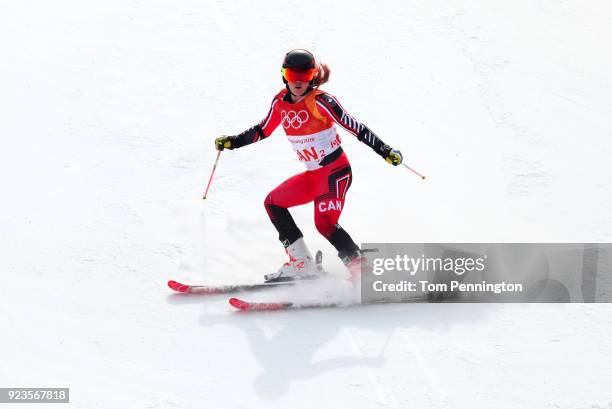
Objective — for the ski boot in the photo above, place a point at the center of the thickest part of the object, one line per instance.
(353, 263)
(301, 265)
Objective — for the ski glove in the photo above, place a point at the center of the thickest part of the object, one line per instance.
(223, 142)
(394, 157)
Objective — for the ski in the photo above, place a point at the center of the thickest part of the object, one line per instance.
(259, 306)
(224, 289)
(244, 305)
(233, 288)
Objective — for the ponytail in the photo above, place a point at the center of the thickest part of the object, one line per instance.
(322, 76)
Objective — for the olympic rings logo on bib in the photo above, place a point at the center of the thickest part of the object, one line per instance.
(294, 119)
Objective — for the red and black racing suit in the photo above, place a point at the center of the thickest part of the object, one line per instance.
(309, 126)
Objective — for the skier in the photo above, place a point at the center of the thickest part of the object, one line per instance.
(308, 115)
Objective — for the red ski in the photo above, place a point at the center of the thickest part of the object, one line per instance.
(259, 306)
(223, 289)
(243, 305)
(233, 288)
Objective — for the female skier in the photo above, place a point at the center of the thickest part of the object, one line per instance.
(308, 115)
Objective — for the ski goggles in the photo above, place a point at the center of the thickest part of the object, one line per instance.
(292, 75)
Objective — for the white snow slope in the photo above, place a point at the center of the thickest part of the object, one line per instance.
(108, 112)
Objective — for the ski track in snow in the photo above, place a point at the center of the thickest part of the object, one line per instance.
(109, 111)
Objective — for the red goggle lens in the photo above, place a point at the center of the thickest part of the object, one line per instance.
(294, 76)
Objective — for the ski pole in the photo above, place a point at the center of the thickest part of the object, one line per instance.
(211, 175)
(413, 171)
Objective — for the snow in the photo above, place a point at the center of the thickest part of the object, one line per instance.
(108, 113)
